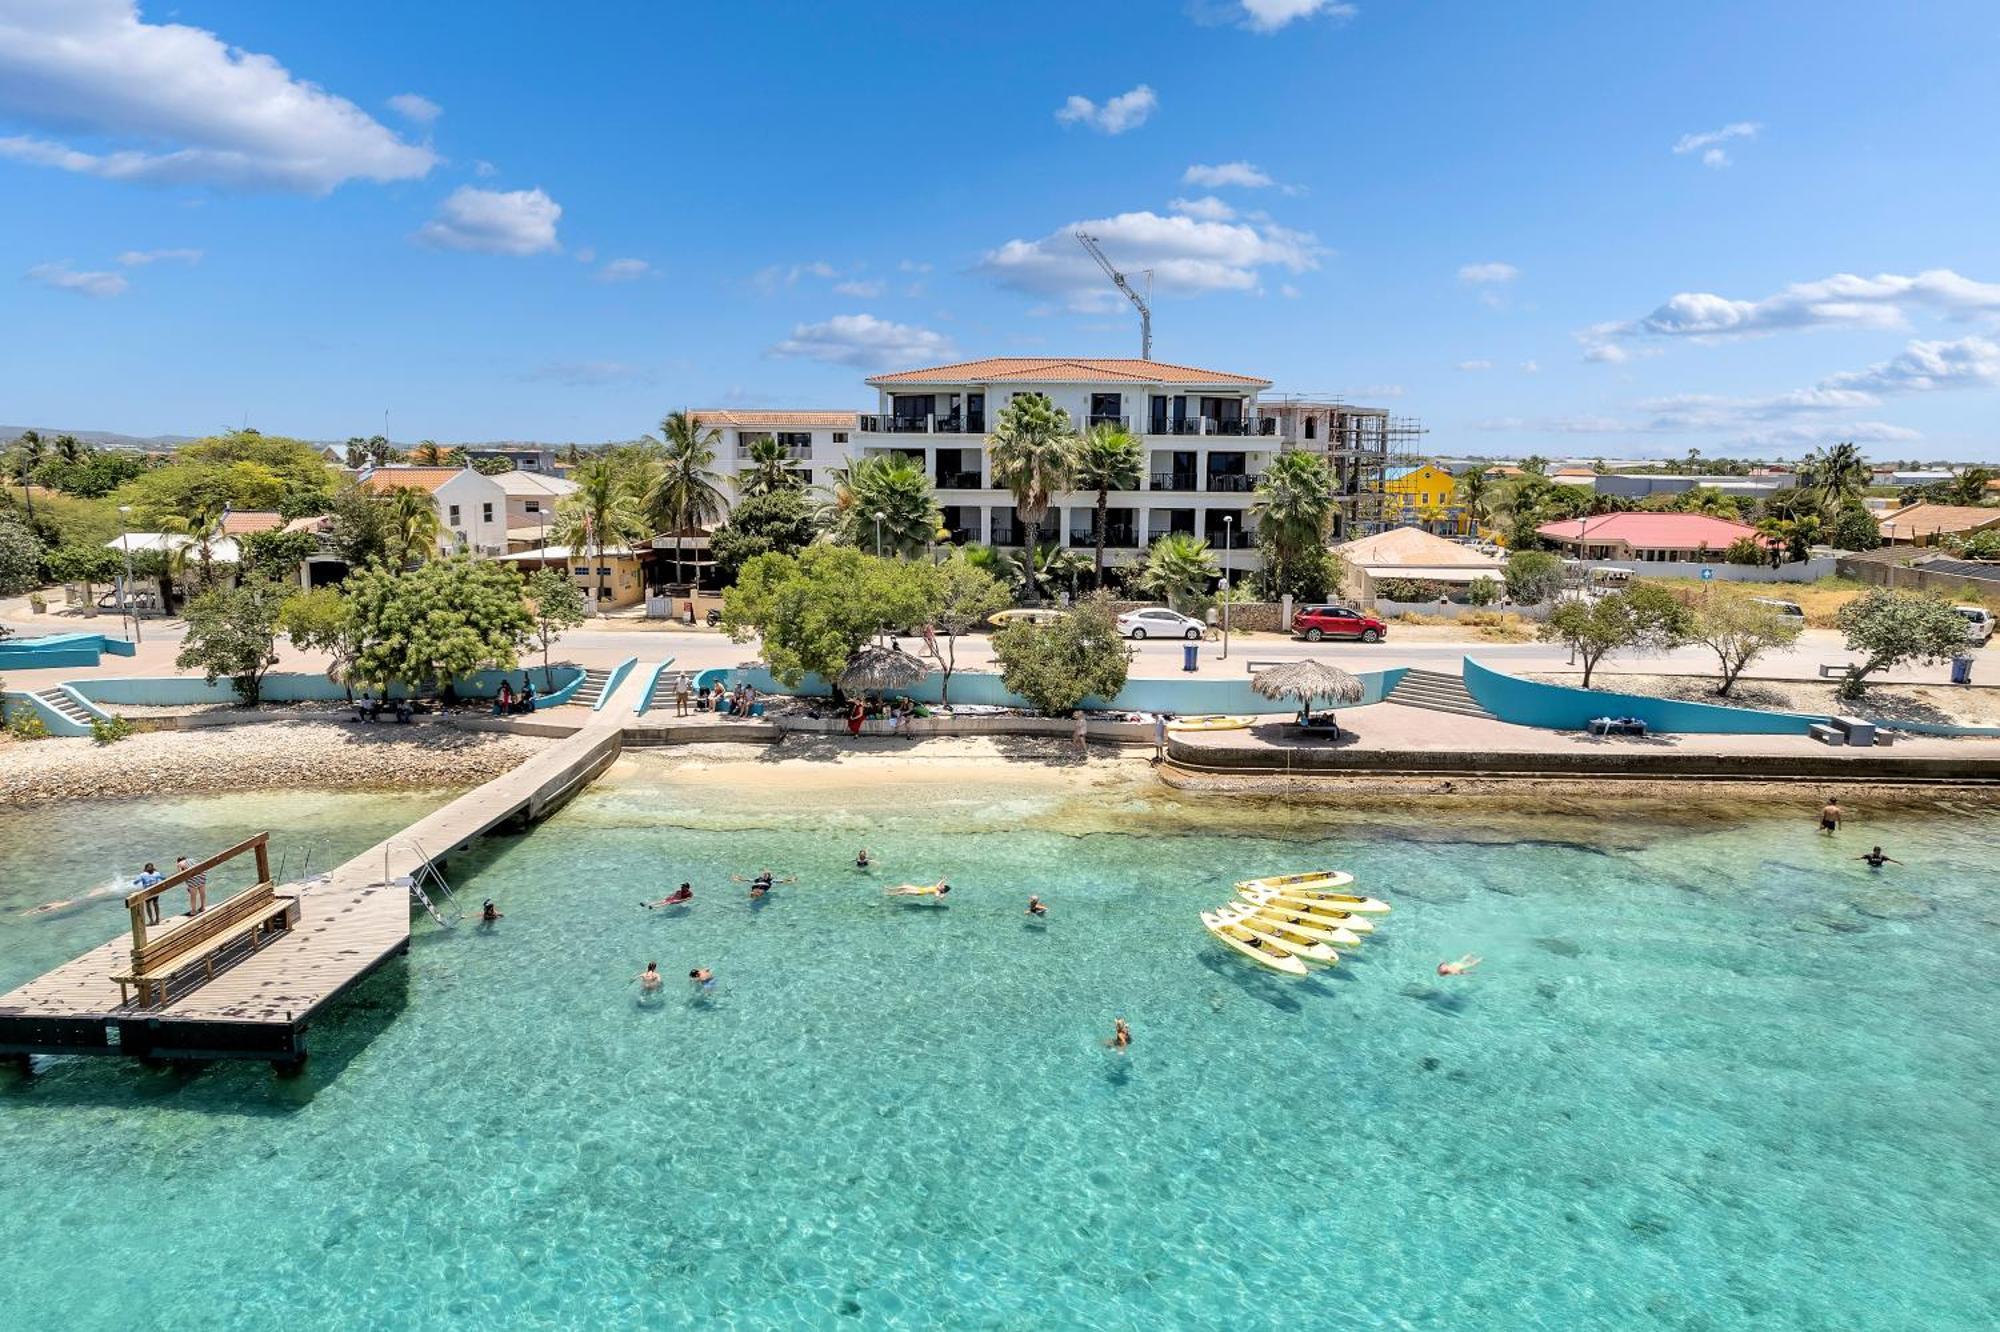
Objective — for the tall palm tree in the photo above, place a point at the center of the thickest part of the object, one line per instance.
(413, 526)
(70, 449)
(1835, 476)
(428, 454)
(891, 508)
(201, 522)
(1178, 567)
(602, 512)
(1293, 509)
(682, 492)
(1036, 571)
(1108, 458)
(770, 469)
(29, 455)
(1033, 452)
(1475, 495)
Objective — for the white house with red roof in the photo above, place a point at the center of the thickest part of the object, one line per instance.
(1651, 537)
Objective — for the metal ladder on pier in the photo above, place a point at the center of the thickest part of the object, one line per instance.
(439, 889)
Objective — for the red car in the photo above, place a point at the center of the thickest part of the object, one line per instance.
(1317, 622)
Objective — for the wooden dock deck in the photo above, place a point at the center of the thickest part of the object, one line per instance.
(349, 922)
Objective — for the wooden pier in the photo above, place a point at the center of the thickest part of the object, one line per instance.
(245, 978)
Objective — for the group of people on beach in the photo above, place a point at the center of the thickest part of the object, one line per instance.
(508, 701)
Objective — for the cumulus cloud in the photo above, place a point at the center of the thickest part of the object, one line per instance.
(415, 107)
(624, 270)
(1243, 175)
(1187, 257)
(1841, 301)
(1271, 15)
(865, 341)
(1207, 208)
(65, 277)
(139, 258)
(1924, 366)
(1531, 367)
(1475, 365)
(188, 108)
(516, 222)
(1126, 111)
(866, 289)
(773, 277)
(1487, 274)
(1607, 353)
(1797, 438)
(1706, 142)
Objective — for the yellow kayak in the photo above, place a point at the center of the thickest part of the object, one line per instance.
(1294, 940)
(1215, 722)
(1252, 945)
(1323, 929)
(1320, 879)
(1306, 906)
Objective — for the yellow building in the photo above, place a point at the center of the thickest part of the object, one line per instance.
(1425, 497)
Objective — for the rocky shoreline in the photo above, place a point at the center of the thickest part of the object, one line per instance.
(292, 754)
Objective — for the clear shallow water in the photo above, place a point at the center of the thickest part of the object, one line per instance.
(1694, 1085)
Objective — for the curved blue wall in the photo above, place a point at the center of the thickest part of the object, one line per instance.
(1561, 708)
(291, 687)
(27, 654)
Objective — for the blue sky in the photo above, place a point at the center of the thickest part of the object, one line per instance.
(1567, 228)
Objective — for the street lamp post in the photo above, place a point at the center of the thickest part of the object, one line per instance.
(1228, 544)
(125, 539)
(879, 516)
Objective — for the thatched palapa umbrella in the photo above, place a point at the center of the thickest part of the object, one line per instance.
(1308, 681)
(877, 670)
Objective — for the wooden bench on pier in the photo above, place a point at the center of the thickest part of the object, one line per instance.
(168, 962)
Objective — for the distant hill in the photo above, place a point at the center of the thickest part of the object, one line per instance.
(104, 439)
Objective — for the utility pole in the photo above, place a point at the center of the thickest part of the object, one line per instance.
(1118, 280)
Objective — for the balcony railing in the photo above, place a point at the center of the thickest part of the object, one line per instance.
(1115, 538)
(1120, 422)
(959, 481)
(1233, 485)
(878, 424)
(793, 452)
(964, 536)
(1006, 534)
(1174, 481)
(1203, 425)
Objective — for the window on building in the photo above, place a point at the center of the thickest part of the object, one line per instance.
(533, 506)
(486, 511)
(451, 515)
(840, 436)
(1311, 423)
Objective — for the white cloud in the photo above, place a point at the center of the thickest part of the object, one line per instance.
(1126, 111)
(1531, 367)
(1561, 425)
(415, 107)
(1487, 273)
(1924, 366)
(1241, 174)
(625, 270)
(1475, 365)
(1841, 301)
(1692, 143)
(189, 108)
(137, 258)
(913, 266)
(1607, 353)
(772, 277)
(1289, 292)
(1207, 208)
(1788, 439)
(484, 169)
(1271, 15)
(865, 341)
(1709, 411)
(867, 289)
(63, 277)
(516, 222)
(1187, 257)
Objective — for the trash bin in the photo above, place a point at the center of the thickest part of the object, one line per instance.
(1189, 652)
(1961, 669)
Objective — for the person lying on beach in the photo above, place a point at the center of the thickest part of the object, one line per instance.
(649, 979)
(1035, 907)
(684, 893)
(1460, 967)
(936, 890)
(1878, 858)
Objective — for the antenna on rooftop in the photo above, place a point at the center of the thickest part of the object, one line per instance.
(1118, 281)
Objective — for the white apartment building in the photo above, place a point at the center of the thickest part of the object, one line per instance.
(486, 515)
(814, 440)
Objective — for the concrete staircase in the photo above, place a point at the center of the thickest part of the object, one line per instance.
(662, 692)
(591, 691)
(1434, 691)
(65, 703)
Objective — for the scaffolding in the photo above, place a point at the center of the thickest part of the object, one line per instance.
(1360, 444)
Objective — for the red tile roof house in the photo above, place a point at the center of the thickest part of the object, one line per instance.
(1657, 537)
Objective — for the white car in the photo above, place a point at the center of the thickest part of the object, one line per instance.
(1159, 622)
(1978, 623)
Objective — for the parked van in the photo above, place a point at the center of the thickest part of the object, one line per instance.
(1978, 623)
(1791, 610)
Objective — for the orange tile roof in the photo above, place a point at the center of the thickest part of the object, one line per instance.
(742, 419)
(251, 520)
(1919, 520)
(384, 479)
(1048, 369)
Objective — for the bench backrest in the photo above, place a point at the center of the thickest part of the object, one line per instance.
(182, 940)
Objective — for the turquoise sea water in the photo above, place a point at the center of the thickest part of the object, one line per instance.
(1709, 1075)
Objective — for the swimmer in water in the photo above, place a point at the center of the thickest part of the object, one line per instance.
(1460, 967)
(1035, 907)
(1830, 816)
(702, 978)
(488, 913)
(649, 979)
(684, 893)
(1878, 858)
(1121, 1035)
(862, 859)
(932, 890)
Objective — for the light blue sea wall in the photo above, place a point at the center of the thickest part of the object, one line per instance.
(1561, 708)
(1194, 696)
(294, 687)
(27, 654)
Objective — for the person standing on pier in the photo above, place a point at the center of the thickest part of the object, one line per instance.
(197, 888)
(147, 878)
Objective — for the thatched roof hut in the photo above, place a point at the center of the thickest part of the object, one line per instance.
(876, 670)
(1308, 681)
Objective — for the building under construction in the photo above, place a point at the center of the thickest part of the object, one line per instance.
(1361, 445)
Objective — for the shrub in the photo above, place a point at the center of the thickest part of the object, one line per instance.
(1533, 576)
(1482, 592)
(1054, 666)
(109, 730)
(24, 723)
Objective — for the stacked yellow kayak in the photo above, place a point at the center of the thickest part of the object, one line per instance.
(1287, 920)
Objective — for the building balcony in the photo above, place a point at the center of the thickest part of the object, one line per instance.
(960, 481)
(1233, 485)
(1174, 481)
(1115, 538)
(1117, 422)
(879, 424)
(963, 536)
(1203, 425)
(793, 453)
(1007, 534)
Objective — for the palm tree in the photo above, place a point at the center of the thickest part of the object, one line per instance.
(202, 523)
(29, 455)
(1036, 571)
(1107, 458)
(1178, 567)
(1293, 508)
(682, 492)
(428, 454)
(602, 512)
(413, 526)
(70, 449)
(1033, 452)
(1835, 476)
(890, 507)
(1475, 496)
(770, 469)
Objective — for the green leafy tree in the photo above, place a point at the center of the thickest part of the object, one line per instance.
(960, 596)
(88, 565)
(1969, 486)
(601, 514)
(491, 466)
(1179, 567)
(1976, 545)
(233, 631)
(777, 520)
(437, 622)
(891, 509)
(20, 557)
(556, 605)
(428, 453)
(1294, 512)
(26, 459)
(1888, 628)
(683, 492)
(816, 609)
(1745, 550)
(1533, 576)
(1641, 618)
(1791, 538)
(359, 531)
(201, 524)
(1475, 494)
(1738, 631)
(1032, 453)
(1854, 528)
(1056, 666)
(277, 553)
(323, 620)
(93, 475)
(1108, 457)
(770, 469)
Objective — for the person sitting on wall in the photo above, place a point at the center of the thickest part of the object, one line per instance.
(503, 702)
(526, 702)
(403, 711)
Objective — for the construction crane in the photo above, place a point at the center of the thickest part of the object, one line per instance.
(1118, 281)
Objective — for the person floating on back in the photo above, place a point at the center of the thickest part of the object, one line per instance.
(935, 891)
(1460, 967)
(1877, 858)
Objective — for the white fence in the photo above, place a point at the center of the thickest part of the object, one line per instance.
(1804, 571)
(1452, 610)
